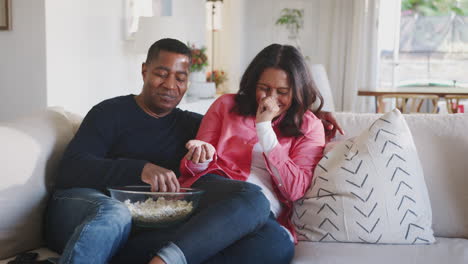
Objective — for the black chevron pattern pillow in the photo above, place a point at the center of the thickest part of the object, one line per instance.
(369, 189)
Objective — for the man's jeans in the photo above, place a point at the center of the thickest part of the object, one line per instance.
(231, 224)
(85, 225)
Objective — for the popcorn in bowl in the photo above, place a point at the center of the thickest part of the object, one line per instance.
(157, 209)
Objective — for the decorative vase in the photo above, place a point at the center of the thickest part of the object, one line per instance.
(199, 87)
(202, 90)
(198, 76)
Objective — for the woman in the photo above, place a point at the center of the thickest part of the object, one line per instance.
(265, 134)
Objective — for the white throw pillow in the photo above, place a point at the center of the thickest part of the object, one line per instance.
(369, 189)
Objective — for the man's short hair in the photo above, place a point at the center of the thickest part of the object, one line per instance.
(167, 44)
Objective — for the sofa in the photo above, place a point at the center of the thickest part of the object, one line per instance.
(32, 147)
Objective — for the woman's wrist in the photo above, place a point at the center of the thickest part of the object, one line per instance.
(266, 136)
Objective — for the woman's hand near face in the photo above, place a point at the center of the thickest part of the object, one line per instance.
(267, 109)
(199, 151)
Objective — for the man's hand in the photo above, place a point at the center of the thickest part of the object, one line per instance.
(267, 109)
(199, 151)
(160, 179)
(330, 124)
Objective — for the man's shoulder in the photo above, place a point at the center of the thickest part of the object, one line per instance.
(117, 101)
(189, 116)
(110, 107)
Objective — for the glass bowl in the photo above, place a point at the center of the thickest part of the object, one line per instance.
(157, 209)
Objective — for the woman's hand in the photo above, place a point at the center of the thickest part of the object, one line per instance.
(330, 124)
(199, 151)
(267, 109)
(160, 179)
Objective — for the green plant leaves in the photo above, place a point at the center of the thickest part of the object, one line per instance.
(436, 7)
(291, 17)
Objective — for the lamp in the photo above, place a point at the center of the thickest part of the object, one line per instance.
(134, 9)
(213, 8)
(162, 7)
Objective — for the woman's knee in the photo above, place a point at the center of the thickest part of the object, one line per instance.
(285, 253)
(277, 246)
(219, 188)
(254, 195)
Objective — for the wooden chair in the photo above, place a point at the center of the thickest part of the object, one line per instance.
(409, 103)
(453, 101)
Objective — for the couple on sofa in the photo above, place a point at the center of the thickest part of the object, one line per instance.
(253, 153)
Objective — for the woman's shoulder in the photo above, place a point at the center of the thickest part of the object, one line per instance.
(224, 102)
(227, 98)
(310, 122)
(309, 116)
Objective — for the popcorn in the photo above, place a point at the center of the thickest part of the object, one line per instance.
(161, 210)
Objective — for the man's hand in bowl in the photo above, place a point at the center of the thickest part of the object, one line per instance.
(160, 179)
(199, 151)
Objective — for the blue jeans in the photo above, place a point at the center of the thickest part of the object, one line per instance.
(86, 226)
(231, 225)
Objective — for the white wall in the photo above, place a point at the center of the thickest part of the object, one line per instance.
(186, 24)
(73, 53)
(257, 18)
(230, 43)
(23, 61)
(88, 59)
(259, 29)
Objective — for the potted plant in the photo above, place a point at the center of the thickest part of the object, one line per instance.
(199, 63)
(293, 19)
(218, 77)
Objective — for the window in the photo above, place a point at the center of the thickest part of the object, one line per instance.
(423, 43)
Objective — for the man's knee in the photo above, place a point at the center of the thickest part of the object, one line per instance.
(115, 212)
(69, 209)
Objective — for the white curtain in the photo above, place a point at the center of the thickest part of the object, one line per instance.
(362, 57)
(346, 44)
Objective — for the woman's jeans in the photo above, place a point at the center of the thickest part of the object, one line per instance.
(231, 225)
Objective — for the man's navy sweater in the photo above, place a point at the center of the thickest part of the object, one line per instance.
(117, 138)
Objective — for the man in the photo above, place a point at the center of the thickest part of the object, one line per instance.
(135, 140)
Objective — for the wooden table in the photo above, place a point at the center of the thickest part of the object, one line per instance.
(422, 90)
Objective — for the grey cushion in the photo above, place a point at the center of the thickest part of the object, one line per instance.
(444, 250)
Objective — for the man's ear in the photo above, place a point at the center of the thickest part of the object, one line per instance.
(144, 69)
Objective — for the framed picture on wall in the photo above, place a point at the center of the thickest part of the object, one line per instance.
(5, 16)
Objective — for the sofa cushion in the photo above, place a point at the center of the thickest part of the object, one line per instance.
(370, 189)
(31, 149)
(444, 250)
(442, 145)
